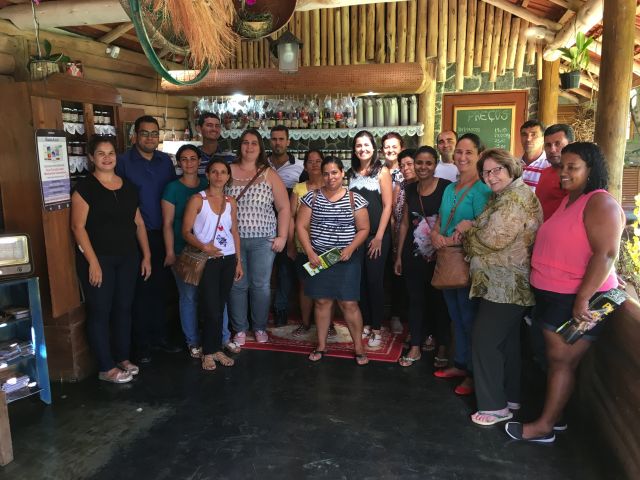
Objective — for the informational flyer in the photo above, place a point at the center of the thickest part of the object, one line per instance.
(54, 169)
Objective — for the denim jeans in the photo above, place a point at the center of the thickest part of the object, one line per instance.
(188, 304)
(462, 311)
(226, 334)
(254, 286)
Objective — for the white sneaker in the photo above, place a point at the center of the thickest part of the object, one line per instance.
(261, 336)
(240, 338)
(375, 340)
(366, 331)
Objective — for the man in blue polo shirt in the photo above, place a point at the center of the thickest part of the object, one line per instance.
(149, 170)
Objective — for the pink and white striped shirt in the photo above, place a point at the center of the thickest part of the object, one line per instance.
(531, 173)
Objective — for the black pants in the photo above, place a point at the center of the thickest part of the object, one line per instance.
(149, 308)
(496, 354)
(428, 314)
(213, 294)
(109, 306)
(372, 284)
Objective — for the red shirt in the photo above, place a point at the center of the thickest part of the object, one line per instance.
(549, 192)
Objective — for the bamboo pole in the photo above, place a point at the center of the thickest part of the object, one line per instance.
(539, 62)
(521, 50)
(380, 33)
(391, 32)
(353, 26)
(495, 45)
(306, 39)
(245, 60)
(531, 52)
(362, 33)
(371, 32)
(259, 54)
(615, 87)
(504, 42)
(315, 20)
(267, 53)
(443, 22)
(471, 37)
(298, 18)
(452, 42)
(488, 39)
(324, 43)
(345, 34)
(421, 29)
(331, 53)
(513, 43)
(432, 29)
(480, 27)
(548, 94)
(239, 60)
(462, 43)
(412, 19)
(427, 104)
(337, 35)
(402, 32)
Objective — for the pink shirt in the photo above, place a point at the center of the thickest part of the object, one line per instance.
(562, 251)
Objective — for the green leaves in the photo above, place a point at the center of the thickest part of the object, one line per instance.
(51, 57)
(578, 55)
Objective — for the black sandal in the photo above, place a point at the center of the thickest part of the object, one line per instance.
(317, 352)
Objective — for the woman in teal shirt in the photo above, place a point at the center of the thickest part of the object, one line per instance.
(174, 200)
(468, 196)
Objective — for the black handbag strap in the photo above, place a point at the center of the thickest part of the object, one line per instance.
(251, 182)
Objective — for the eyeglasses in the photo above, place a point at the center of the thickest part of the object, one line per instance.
(493, 171)
(146, 134)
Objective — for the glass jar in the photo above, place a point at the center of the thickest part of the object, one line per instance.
(97, 117)
(106, 117)
(73, 115)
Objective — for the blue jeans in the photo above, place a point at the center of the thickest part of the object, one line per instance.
(226, 334)
(462, 311)
(188, 305)
(254, 286)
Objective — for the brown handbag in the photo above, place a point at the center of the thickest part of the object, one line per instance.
(190, 263)
(452, 269)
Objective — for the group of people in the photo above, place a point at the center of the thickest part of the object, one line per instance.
(540, 234)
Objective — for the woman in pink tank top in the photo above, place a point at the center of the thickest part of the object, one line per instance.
(573, 259)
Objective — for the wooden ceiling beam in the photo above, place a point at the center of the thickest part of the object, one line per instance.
(66, 13)
(522, 12)
(584, 20)
(304, 5)
(116, 32)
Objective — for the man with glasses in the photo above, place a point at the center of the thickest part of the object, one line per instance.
(149, 170)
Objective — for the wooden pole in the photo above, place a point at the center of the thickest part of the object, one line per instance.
(452, 41)
(306, 39)
(548, 96)
(462, 43)
(6, 444)
(315, 20)
(239, 60)
(337, 35)
(402, 32)
(324, 43)
(353, 26)
(331, 54)
(531, 52)
(480, 28)
(427, 104)
(471, 37)
(391, 32)
(513, 43)
(443, 22)
(432, 29)
(495, 46)
(412, 19)
(346, 35)
(504, 43)
(371, 32)
(380, 33)
(538, 62)
(362, 33)
(488, 39)
(521, 50)
(615, 86)
(421, 35)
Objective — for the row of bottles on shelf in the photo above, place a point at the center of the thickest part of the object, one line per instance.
(74, 113)
(240, 112)
(299, 154)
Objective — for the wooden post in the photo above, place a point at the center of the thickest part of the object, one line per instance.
(371, 31)
(421, 35)
(452, 41)
(471, 37)
(324, 43)
(495, 45)
(380, 33)
(412, 19)
(353, 25)
(427, 104)
(504, 42)
(521, 50)
(346, 35)
(391, 32)
(432, 29)
(362, 33)
(402, 32)
(239, 59)
(548, 96)
(462, 43)
(531, 52)
(538, 62)
(488, 39)
(513, 43)
(331, 54)
(315, 18)
(480, 27)
(337, 35)
(443, 22)
(6, 445)
(306, 39)
(615, 85)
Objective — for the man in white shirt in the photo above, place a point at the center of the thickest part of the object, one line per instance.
(446, 144)
(534, 159)
(288, 169)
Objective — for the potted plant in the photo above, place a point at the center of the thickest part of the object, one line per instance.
(578, 58)
(252, 24)
(45, 63)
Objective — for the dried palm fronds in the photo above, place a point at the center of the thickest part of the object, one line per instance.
(584, 122)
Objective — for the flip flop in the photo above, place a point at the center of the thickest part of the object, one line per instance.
(408, 361)
(223, 359)
(361, 359)
(317, 352)
(489, 418)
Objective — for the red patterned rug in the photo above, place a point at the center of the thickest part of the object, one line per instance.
(282, 340)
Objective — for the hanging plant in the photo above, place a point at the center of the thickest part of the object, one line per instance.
(578, 58)
(252, 24)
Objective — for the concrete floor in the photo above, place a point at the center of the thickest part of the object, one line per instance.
(276, 415)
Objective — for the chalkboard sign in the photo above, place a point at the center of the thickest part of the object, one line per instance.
(495, 125)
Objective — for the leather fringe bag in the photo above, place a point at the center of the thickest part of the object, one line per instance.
(451, 270)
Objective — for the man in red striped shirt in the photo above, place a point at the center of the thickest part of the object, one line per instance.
(534, 159)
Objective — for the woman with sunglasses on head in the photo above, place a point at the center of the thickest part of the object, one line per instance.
(211, 225)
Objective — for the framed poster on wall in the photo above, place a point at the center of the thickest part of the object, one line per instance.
(55, 180)
(494, 116)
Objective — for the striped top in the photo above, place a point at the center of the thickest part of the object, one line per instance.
(332, 224)
(531, 173)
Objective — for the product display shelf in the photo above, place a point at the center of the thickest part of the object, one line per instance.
(334, 133)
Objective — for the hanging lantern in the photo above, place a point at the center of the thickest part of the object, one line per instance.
(287, 50)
